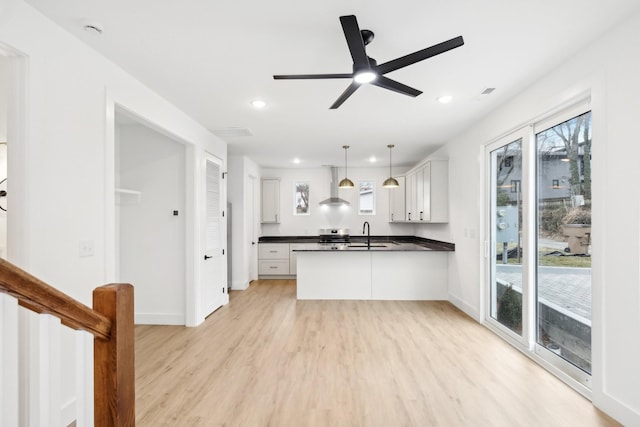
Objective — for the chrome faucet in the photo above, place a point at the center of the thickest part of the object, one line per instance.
(368, 227)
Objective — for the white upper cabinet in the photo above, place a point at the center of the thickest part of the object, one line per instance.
(419, 206)
(410, 197)
(270, 195)
(426, 194)
(397, 208)
(436, 191)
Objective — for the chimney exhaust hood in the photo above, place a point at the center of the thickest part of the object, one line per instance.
(334, 200)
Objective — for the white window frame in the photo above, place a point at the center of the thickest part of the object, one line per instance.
(527, 343)
(373, 196)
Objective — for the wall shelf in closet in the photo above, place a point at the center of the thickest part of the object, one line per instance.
(126, 196)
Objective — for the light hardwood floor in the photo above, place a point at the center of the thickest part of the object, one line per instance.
(269, 360)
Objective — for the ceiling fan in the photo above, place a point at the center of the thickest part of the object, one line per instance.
(366, 69)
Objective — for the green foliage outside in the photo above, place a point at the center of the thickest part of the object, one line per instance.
(563, 261)
(577, 215)
(546, 260)
(510, 309)
(502, 199)
(551, 219)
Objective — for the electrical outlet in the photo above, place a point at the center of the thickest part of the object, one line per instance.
(86, 248)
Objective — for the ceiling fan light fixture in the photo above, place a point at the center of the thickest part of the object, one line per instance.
(346, 182)
(390, 182)
(366, 76)
(258, 103)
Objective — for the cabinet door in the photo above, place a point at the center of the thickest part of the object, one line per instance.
(420, 195)
(270, 201)
(411, 197)
(438, 187)
(426, 192)
(273, 251)
(397, 208)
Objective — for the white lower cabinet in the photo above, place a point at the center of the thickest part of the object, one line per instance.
(273, 259)
(279, 259)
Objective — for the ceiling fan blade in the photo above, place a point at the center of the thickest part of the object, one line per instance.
(311, 76)
(387, 83)
(346, 94)
(354, 41)
(420, 55)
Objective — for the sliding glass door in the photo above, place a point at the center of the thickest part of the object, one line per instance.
(506, 275)
(539, 240)
(563, 270)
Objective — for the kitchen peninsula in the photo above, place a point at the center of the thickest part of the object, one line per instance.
(375, 268)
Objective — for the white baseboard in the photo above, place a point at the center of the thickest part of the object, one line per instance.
(467, 308)
(68, 412)
(616, 408)
(159, 319)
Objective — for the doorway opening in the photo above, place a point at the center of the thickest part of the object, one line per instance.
(151, 220)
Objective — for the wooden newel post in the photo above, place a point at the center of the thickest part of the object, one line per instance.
(114, 370)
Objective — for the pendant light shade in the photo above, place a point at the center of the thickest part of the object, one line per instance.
(390, 182)
(346, 182)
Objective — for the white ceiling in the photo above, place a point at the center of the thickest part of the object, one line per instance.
(211, 58)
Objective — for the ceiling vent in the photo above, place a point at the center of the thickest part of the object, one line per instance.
(232, 132)
(487, 91)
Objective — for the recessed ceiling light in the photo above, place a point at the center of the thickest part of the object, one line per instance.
(373, 159)
(296, 161)
(258, 103)
(94, 28)
(444, 99)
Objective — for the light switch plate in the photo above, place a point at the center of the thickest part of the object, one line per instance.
(86, 248)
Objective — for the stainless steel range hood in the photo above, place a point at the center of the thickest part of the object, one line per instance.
(334, 200)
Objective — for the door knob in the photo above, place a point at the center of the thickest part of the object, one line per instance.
(206, 257)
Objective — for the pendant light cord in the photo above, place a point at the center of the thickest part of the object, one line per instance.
(346, 174)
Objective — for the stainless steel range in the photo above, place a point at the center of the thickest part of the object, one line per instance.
(334, 235)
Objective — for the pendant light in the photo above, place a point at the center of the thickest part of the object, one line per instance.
(346, 182)
(390, 182)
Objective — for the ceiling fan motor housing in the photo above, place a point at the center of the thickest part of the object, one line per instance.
(367, 36)
(367, 70)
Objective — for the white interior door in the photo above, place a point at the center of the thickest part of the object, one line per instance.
(253, 213)
(213, 260)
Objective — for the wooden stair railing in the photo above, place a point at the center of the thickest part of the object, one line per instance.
(111, 323)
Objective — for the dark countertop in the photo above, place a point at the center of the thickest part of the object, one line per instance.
(359, 244)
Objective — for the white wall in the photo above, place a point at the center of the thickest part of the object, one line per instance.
(152, 239)
(3, 98)
(330, 216)
(609, 70)
(4, 80)
(63, 164)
